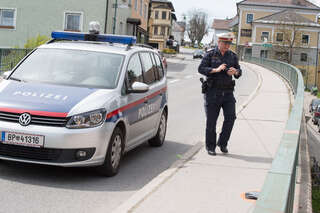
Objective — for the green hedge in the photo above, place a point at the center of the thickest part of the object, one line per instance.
(169, 51)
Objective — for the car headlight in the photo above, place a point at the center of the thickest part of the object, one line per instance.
(87, 120)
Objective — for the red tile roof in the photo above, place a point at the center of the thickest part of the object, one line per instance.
(221, 24)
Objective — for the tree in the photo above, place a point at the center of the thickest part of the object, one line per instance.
(197, 26)
(288, 36)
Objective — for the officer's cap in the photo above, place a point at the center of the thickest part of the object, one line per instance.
(225, 37)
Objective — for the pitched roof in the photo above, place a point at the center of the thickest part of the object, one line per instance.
(166, 2)
(282, 3)
(286, 17)
(221, 24)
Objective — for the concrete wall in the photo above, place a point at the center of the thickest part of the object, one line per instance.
(35, 17)
(123, 12)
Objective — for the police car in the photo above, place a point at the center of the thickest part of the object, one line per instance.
(83, 99)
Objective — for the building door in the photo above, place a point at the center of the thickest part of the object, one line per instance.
(264, 54)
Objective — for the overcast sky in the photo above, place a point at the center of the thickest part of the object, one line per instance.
(216, 9)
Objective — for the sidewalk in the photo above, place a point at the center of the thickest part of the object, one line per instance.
(218, 183)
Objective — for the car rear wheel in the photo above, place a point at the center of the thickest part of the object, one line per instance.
(161, 133)
(111, 164)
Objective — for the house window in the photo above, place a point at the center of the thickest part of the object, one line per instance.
(249, 18)
(155, 30)
(264, 36)
(279, 37)
(168, 31)
(7, 18)
(164, 14)
(156, 14)
(136, 5)
(246, 32)
(282, 56)
(305, 39)
(141, 7)
(145, 11)
(163, 30)
(304, 57)
(73, 21)
(129, 3)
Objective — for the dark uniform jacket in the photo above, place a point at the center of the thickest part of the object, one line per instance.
(213, 59)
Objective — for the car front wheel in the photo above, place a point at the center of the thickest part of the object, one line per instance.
(161, 133)
(111, 164)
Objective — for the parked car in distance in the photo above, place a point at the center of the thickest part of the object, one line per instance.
(316, 115)
(313, 104)
(198, 54)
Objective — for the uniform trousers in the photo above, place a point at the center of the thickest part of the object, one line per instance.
(215, 99)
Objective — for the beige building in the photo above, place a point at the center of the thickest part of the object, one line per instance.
(160, 22)
(286, 30)
(138, 20)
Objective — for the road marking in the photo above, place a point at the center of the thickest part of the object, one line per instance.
(188, 76)
(173, 81)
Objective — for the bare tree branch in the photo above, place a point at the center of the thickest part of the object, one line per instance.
(197, 26)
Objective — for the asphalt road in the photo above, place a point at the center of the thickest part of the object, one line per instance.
(34, 188)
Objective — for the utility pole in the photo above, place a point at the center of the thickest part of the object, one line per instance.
(115, 17)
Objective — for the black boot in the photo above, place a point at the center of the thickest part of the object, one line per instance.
(224, 149)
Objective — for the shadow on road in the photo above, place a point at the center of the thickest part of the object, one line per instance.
(176, 67)
(139, 167)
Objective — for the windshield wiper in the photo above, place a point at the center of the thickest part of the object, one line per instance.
(15, 79)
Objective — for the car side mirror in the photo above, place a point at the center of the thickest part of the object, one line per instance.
(138, 87)
(6, 74)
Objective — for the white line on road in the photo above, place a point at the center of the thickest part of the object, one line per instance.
(173, 81)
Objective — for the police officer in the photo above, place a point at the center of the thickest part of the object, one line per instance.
(219, 66)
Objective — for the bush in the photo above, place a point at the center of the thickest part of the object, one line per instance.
(169, 51)
(35, 42)
(315, 199)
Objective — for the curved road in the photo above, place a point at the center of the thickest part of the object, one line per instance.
(34, 188)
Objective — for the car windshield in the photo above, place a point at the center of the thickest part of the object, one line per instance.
(70, 67)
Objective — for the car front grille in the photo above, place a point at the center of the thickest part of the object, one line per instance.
(29, 152)
(36, 119)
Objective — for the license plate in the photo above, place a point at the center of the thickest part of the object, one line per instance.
(22, 139)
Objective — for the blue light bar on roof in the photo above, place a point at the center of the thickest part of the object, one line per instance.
(73, 36)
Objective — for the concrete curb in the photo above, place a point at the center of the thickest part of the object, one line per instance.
(133, 202)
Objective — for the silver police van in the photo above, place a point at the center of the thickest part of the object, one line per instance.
(83, 99)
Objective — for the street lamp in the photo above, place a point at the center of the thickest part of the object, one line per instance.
(115, 17)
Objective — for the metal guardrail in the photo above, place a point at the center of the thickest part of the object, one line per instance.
(277, 194)
(9, 57)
